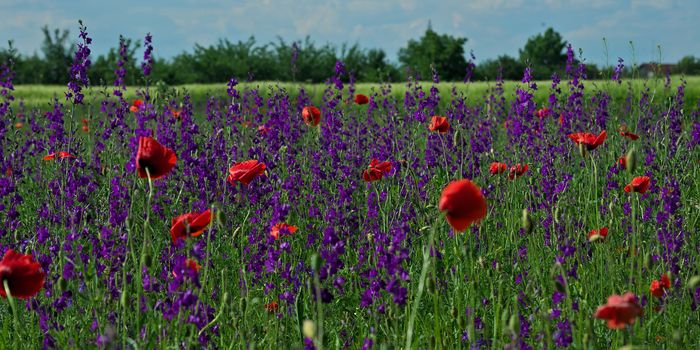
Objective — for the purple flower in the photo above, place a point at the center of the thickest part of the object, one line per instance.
(147, 63)
(78, 71)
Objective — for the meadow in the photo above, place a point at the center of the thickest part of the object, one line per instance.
(519, 215)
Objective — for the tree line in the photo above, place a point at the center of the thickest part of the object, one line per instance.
(305, 61)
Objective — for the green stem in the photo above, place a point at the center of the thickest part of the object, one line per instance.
(11, 300)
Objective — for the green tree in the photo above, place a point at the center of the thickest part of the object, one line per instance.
(58, 56)
(443, 52)
(688, 65)
(544, 53)
(509, 67)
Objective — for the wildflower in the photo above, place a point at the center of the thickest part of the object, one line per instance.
(621, 310)
(22, 273)
(439, 124)
(497, 168)
(192, 265)
(591, 141)
(543, 112)
(282, 229)
(598, 235)
(137, 105)
(464, 204)
(271, 306)
(263, 130)
(244, 172)
(60, 155)
(158, 159)
(629, 135)
(517, 170)
(659, 287)
(376, 170)
(639, 184)
(189, 225)
(361, 99)
(311, 115)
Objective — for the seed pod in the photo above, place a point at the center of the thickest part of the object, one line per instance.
(582, 150)
(526, 222)
(631, 160)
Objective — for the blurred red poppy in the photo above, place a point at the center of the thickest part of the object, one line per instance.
(282, 229)
(311, 115)
(263, 130)
(543, 112)
(497, 168)
(629, 135)
(189, 225)
(86, 128)
(598, 235)
(192, 265)
(22, 273)
(19, 125)
(158, 159)
(620, 311)
(136, 105)
(639, 184)
(271, 306)
(175, 113)
(561, 119)
(376, 170)
(659, 287)
(245, 172)
(439, 124)
(464, 204)
(361, 99)
(517, 170)
(591, 141)
(623, 162)
(60, 155)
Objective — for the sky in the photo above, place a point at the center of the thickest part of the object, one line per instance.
(492, 27)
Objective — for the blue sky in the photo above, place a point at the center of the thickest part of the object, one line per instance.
(493, 27)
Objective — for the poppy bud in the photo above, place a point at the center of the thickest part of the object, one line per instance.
(308, 328)
(647, 260)
(122, 298)
(694, 282)
(631, 160)
(526, 222)
(315, 262)
(454, 138)
(514, 324)
(62, 284)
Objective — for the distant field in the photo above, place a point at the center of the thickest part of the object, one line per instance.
(40, 95)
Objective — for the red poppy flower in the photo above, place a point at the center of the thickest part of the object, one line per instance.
(542, 112)
(591, 141)
(311, 115)
(19, 125)
(621, 310)
(86, 128)
(22, 273)
(376, 170)
(561, 119)
(517, 170)
(497, 168)
(622, 161)
(439, 124)
(271, 306)
(192, 265)
(175, 113)
(629, 135)
(282, 229)
(361, 99)
(263, 130)
(245, 171)
(659, 287)
(136, 105)
(60, 155)
(158, 159)
(464, 204)
(639, 184)
(598, 235)
(190, 225)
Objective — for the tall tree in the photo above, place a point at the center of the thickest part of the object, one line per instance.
(544, 53)
(443, 52)
(58, 54)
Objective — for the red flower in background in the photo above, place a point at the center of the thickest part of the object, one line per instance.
(263, 130)
(517, 170)
(639, 184)
(22, 273)
(439, 124)
(376, 170)
(629, 135)
(136, 105)
(190, 225)
(464, 204)
(311, 115)
(245, 172)
(361, 99)
(659, 287)
(158, 159)
(175, 113)
(598, 235)
(60, 155)
(591, 141)
(543, 112)
(623, 162)
(282, 229)
(620, 311)
(271, 306)
(192, 265)
(497, 168)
